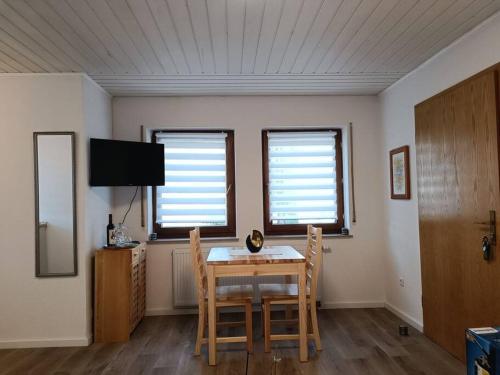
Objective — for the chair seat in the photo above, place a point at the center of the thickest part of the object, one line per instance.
(280, 291)
(234, 293)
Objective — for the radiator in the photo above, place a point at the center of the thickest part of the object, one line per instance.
(184, 286)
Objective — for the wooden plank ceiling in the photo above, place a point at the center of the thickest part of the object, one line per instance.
(196, 47)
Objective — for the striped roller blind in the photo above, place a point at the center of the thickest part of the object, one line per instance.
(194, 193)
(302, 177)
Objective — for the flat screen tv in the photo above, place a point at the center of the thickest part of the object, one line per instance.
(123, 163)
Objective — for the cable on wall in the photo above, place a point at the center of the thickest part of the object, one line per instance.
(143, 221)
(130, 205)
(351, 149)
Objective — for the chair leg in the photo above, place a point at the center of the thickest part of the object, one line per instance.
(267, 327)
(201, 328)
(262, 318)
(310, 328)
(314, 321)
(248, 326)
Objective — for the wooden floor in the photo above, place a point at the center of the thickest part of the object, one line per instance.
(357, 341)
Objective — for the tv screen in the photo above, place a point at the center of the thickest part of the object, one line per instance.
(123, 163)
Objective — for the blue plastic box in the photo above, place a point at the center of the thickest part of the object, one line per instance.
(483, 351)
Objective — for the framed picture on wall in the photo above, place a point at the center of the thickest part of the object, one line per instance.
(400, 172)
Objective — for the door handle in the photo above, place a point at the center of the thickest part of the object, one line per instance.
(486, 248)
(490, 239)
(492, 224)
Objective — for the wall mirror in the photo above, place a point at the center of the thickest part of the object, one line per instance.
(55, 204)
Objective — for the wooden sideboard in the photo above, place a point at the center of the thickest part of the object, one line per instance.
(120, 292)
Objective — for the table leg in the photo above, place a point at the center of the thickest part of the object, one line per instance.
(212, 323)
(302, 313)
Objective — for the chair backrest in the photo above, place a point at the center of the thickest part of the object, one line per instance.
(199, 268)
(314, 255)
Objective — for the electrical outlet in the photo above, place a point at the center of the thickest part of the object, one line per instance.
(327, 249)
(402, 282)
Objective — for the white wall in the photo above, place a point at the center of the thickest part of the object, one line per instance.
(472, 53)
(44, 311)
(353, 271)
(97, 118)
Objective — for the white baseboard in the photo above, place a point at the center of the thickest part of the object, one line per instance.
(352, 305)
(407, 318)
(44, 343)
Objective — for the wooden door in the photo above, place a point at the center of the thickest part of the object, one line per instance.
(458, 183)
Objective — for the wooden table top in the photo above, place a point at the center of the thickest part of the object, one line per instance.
(241, 255)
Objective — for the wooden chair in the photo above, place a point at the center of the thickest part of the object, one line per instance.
(227, 296)
(287, 294)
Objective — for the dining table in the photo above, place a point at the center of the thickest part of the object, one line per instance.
(269, 261)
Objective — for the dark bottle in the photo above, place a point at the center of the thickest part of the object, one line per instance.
(110, 231)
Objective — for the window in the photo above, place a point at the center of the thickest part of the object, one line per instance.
(302, 180)
(199, 184)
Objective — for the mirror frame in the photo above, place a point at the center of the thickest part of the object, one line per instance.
(37, 213)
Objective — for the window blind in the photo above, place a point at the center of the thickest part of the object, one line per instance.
(302, 183)
(194, 193)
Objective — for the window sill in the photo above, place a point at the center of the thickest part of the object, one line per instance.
(236, 239)
(301, 236)
(186, 240)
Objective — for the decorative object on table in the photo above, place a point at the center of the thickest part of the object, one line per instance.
(255, 241)
(122, 238)
(403, 330)
(344, 231)
(110, 233)
(153, 237)
(400, 172)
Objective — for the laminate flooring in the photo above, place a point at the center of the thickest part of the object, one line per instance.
(355, 341)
